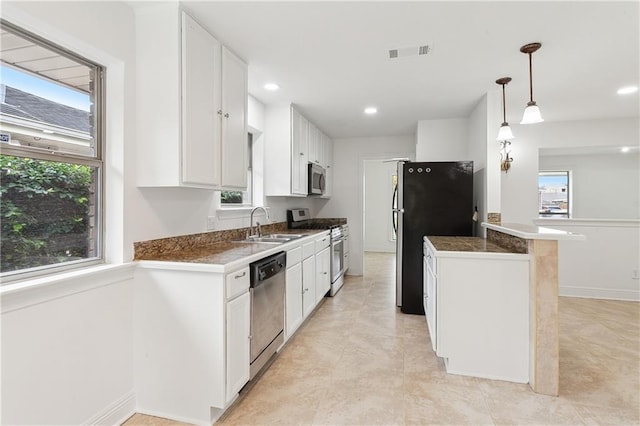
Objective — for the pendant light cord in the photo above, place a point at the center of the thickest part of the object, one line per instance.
(530, 79)
(504, 107)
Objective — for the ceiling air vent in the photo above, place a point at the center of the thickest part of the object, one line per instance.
(403, 52)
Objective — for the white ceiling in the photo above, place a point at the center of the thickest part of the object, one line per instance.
(330, 58)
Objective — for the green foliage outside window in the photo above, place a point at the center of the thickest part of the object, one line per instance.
(45, 211)
(231, 197)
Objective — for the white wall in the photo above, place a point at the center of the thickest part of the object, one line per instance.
(603, 186)
(67, 359)
(347, 198)
(603, 265)
(378, 195)
(519, 190)
(442, 140)
(477, 151)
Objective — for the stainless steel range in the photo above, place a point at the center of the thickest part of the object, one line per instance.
(300, 219)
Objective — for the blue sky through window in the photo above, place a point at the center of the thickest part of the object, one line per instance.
(552, 180)
(44, 88)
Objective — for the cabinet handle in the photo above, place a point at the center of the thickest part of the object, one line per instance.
(226, 115)
(324, 273)
(302, 153)
(240, 275)
(219, 112)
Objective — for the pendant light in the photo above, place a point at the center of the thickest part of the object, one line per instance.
(505, 133)
(532, 112)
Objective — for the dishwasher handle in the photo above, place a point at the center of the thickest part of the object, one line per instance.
(267, 268)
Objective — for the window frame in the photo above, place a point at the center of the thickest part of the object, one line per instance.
(250, 183)
(97, 159)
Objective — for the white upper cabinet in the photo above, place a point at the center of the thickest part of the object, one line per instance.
(235, 98)
(315, 145)
(191, 104)
(327, 146)
(201, 100)
(286, 152)
(291, 143)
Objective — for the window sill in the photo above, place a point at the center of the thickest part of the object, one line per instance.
(34, 291)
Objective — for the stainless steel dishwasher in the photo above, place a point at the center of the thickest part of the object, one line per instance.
(267, 309)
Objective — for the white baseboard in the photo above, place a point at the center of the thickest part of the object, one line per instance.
(117, 412)
(600, 293)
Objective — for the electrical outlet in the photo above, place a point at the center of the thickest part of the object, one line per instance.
(211, 223)
(635, 274)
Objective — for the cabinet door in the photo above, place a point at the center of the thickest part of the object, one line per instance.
(323, 275)
(328, 166)
(308, 285)
(234, 121)
(314, 144)
(238, 329)
(293, 299)
(200, 104)
(430, 305)
(299, 153)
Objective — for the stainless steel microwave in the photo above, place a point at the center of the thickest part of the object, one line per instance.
(316, 179)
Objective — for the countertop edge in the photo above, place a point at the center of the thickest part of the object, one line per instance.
(532, 232)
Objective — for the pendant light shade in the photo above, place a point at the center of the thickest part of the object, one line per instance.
(505, 133)
(532, 112)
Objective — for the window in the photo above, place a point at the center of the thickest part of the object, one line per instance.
(51, 157)
(554, 194)
(241, 198)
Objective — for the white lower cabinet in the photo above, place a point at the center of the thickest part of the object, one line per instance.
(238, 330)
(293, 302)
(323, 273)
(477, 310)
(309, 285)
(191, 340)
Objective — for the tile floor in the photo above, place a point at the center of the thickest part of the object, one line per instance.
(358, 361)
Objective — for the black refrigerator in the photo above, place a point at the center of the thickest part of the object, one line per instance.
(434, 198)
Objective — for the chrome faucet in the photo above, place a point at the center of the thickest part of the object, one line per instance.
(259, 230)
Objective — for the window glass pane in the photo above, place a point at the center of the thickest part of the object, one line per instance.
(47, 97)
(553, 194)
(47, 211)
(50, 204)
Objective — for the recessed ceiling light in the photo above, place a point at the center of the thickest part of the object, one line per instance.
(370, 110)
(271, 86)
(627, 90)
(625, 149)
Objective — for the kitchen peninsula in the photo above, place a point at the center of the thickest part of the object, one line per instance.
(492, 304)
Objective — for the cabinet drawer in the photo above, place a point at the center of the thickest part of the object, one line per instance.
(322, 242)
(308, 249)
(237, 282)
(294, 256)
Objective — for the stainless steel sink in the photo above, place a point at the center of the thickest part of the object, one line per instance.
(271, 238)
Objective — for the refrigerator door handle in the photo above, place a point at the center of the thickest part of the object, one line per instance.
(394, 210)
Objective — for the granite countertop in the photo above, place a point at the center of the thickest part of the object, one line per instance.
(223, 252)
(465, 244)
